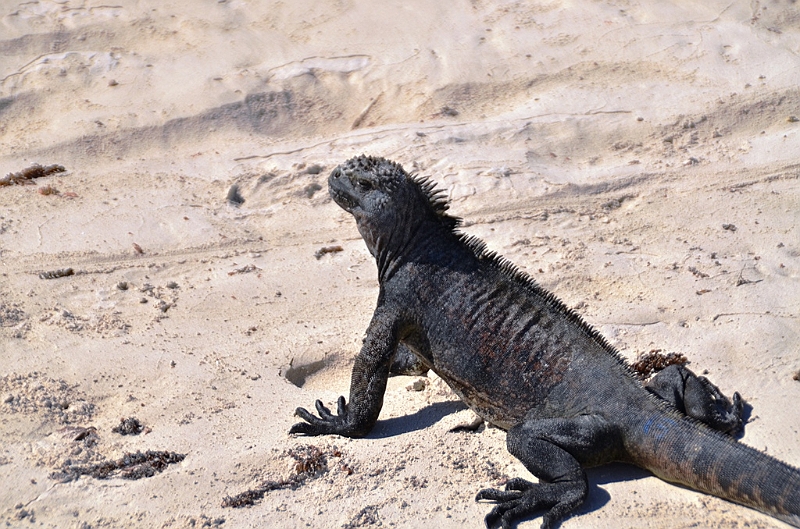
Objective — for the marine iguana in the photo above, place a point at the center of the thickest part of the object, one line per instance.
(525, 362)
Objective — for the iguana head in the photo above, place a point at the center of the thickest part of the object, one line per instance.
(389, 205)
(366, 185)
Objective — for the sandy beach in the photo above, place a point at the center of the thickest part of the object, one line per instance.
(177, 259)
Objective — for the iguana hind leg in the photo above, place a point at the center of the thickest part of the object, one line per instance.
(406, 363)
(555, 451)
(698, 398)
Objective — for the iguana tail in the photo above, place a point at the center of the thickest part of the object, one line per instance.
(682, 450)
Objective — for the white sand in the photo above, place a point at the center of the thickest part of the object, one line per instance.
(601, 146)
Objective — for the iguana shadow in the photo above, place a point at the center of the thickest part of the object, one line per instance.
(418, 420)
(433, 413)
(598, 496)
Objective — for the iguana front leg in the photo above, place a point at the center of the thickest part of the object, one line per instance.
(554, 450)
(367, 385)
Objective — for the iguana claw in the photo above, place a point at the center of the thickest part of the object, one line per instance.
(326, 423)
(522, 498)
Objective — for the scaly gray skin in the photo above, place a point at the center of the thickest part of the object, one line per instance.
(525, 362)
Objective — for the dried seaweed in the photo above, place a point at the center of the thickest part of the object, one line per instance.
(310, 462)
(130, 466)
(327, 249)
(28, 174)
(129, 426)
(54, 274)
(251, 496)
(654, 361)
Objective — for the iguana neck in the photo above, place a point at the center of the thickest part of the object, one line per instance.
(393, 248)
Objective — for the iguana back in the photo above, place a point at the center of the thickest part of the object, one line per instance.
(505, 345)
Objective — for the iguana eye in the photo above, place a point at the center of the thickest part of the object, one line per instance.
(365, 185)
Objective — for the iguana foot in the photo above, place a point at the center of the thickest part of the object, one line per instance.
(726, 415)
(698, 398)
(326, 423)
(522, 498)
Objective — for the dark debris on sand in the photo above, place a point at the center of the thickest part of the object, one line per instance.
(129, 426)
(655, 360)
(130, 466)
(310, 462)
(28, 174)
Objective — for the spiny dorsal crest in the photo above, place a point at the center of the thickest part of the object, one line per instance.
(437, 199)
(514, 274)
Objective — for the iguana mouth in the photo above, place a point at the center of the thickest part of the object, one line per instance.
(342, 199)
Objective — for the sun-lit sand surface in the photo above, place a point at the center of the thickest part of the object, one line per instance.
(641, 159)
